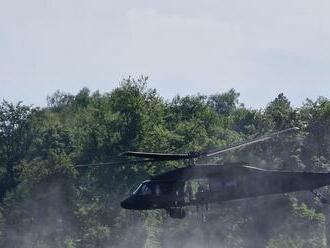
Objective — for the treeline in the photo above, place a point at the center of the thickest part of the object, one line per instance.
(46, 202)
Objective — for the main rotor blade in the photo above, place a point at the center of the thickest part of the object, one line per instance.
(160, 156)
(132, 162)
(154, 156)
(248, 143)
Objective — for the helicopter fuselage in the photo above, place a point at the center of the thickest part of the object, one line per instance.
(223, 183)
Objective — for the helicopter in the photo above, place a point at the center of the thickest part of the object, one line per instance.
(174, 190)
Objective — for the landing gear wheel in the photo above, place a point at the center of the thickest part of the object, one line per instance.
(177, 213)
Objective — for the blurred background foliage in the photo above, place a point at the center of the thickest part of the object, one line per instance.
(46, 202)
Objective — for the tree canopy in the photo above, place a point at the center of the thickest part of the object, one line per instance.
(46, 202)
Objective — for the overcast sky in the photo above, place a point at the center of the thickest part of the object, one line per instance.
(258, 47)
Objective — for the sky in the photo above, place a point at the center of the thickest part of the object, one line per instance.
(258, 47)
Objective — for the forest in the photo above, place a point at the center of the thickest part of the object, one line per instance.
(46, 202)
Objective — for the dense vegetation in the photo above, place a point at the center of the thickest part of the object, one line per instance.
(46, 202)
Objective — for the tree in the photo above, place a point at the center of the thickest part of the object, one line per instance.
(280, 112)
(59, 100)
(15, 138)
(52, 204)
(224, 104)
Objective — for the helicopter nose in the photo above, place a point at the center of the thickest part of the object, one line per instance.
(126, 204)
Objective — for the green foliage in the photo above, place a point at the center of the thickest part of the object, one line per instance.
(224, 104)
(280, 112)
(16, 135)
(286, 242)
(302, 211)
(46, 202)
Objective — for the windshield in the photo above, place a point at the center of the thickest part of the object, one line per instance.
(151, 187)
(143, 189)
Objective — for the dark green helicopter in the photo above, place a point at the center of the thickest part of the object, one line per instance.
(174, 190)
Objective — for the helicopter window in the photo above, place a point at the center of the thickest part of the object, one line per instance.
(148, 188)
(143, 189)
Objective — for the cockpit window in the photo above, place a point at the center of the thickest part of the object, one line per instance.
(156, 188)
(143, 189)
